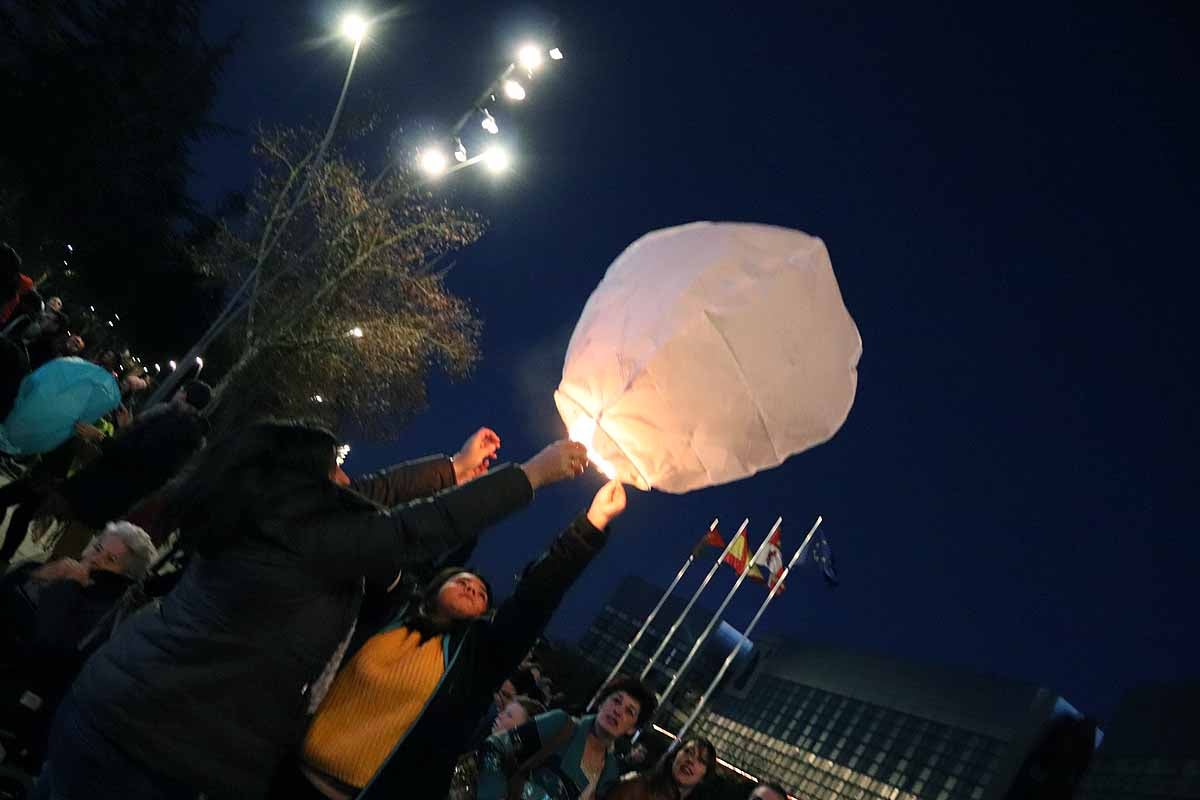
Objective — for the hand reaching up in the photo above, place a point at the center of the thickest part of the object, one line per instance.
(476, 455)
(557, 462)
(607, 505)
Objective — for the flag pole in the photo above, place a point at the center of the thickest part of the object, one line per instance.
(645, 625)
(703, 584)
(662, 701)
(746, 635)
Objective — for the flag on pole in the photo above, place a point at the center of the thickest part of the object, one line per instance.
(770, 560)
(711, 538)
(822, 556)
(739, 556)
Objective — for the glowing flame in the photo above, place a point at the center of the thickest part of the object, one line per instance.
(583, 430)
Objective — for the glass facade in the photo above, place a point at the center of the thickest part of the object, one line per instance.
(823, 745)
(611, 632)
(828, 723)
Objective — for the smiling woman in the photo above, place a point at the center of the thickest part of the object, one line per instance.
(680, 773)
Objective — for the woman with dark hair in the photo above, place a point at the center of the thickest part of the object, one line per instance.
(209, 693)
(678, 774)
(406, 703)
(557, 757)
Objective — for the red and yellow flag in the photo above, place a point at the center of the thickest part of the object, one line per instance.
(711, 538)
(739, 556)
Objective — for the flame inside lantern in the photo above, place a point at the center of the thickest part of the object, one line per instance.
(583, 430)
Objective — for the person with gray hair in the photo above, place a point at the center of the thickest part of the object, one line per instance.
(50, 608)
(49, 612)
(135, 561)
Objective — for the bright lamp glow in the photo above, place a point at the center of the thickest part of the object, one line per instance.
(556, 54)
(171, 364)
(514, 90)
(318, 399)
(355, 332)
(530, 57)
(460, 151)
(71, 249)
(354, 27)
(489, 123)
(433, 161)
(497, 159)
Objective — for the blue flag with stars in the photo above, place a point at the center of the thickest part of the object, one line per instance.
(822, 555)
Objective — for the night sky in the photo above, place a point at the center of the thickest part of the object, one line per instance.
(1010, 198)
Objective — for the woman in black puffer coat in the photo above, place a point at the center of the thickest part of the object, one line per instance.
(208, 693)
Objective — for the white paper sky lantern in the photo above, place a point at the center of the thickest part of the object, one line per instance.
(708, 352)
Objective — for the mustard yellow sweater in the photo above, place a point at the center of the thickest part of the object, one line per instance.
(372, 703)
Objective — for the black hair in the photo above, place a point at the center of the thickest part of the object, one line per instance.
(249, 474)
(660, 777)
(523, 682)
(198, 394)
(635, 689)
(420, 615)
(773, 786)
(434, 585)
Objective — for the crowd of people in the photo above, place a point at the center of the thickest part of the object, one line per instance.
(245, 620)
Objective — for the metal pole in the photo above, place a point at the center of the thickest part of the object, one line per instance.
(232, 310)
(645, 625)
(703, 584)
(749, 630)
(687, 662)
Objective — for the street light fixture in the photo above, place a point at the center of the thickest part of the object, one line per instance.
(530, 57)
(172, 365)
(489, 123)
(556, 54)
(497, 159)
(355, 332)
(433, 161)
(354, 27)
(514, 90)
(460, 151)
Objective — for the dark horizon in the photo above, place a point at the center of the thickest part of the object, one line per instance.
(1007, 197)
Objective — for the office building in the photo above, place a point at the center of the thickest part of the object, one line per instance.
(830, 723)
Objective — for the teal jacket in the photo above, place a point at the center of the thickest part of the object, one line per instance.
(559, 777)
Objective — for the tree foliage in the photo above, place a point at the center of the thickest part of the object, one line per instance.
(356, 253)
